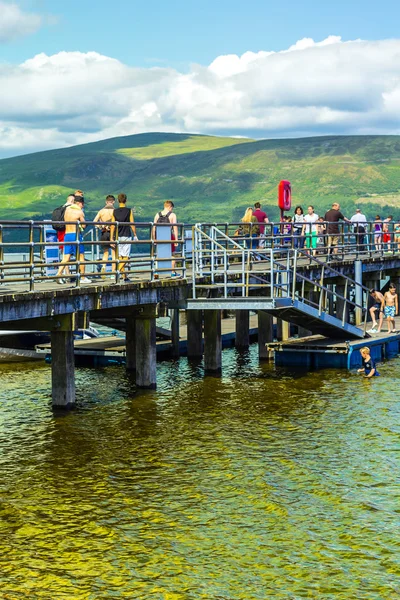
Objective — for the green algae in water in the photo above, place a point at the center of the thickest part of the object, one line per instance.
(261, 484)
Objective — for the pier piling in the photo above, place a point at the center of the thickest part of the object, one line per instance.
(242, 339)
(63, 369)
(146, 348)
(194, 319)
(265, 334)
(212, 341)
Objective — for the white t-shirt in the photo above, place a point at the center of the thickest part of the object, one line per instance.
(358, 218)
(311, 219)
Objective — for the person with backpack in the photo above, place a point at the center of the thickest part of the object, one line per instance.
(123, 233)
(74, 226)
(58, 215)
(165, 217)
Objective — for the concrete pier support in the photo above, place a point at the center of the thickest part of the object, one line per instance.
(130, 341)
(175, 332)
(63, 369)
(242, 339)
(212, 341)
(146, 348)
(265, 334)
(194, 320)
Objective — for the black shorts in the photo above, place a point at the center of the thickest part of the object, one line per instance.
(105, 237)
(377, 306)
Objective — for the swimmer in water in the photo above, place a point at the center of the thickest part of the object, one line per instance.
(369, 368)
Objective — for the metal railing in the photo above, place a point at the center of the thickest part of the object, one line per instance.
(274, 273)
(25, 247)
(209, 249)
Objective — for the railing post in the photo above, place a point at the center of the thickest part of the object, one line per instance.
(31, 258)
(272, 271)
(294, 275)
(1, 253)
(358, 291)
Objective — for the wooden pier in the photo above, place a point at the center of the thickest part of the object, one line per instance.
(317, 295)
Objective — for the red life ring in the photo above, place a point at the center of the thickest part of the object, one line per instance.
(284, 195)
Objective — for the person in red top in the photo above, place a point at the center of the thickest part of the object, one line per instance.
(261, 217)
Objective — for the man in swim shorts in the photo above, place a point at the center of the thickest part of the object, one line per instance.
(391, 307)
(74, 214)
(376, 310)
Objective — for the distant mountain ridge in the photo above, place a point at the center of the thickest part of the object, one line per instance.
(208, 177)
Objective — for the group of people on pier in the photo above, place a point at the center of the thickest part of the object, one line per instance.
(385, 306)
(301, 230)
(314, 232)
(72, 212)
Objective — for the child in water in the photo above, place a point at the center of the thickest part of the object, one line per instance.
(369, 368)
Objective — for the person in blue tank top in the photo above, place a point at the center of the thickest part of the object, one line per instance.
(369, 367)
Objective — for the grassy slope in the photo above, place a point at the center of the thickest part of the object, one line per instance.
(207, 177)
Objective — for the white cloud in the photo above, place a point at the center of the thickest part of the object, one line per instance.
(15, 23)
(310, 89)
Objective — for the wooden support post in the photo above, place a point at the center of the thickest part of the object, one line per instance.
(82, 320)
(265, 334)
(194, 320)
(175, 332)
(130, 341)
(63, 363)
(212, 341)
(282, 330)
(146, 354)
(242, 339)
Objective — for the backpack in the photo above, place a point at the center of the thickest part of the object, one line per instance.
(58, 215)
(163, 218)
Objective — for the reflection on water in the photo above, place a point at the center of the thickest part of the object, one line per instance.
(262, 484)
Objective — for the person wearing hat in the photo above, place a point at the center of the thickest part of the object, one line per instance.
(359, 221)
(73, 214)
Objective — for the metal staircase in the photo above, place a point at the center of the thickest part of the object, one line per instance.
(229, 275)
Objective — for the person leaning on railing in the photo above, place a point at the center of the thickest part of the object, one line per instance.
(298, 227)
(250, 229)
(359, 221)
(332, 218)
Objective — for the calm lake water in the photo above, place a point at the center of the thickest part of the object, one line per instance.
(261, 484)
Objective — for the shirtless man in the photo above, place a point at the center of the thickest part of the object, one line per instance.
(105, 215)
(74, 213)
(164, 216)
(391, 307)
(376, 308)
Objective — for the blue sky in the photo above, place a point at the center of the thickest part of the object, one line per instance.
(179, 32)
(78, 71)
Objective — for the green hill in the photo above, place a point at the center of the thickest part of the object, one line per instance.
(209, 178)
